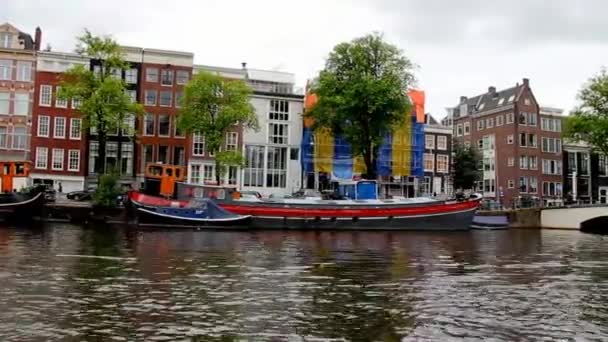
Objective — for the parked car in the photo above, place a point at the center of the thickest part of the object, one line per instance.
(83, 195)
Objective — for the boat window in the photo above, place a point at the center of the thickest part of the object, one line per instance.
(7, 169)
(155, 170)
(177, 173)
(20, 169)
(169, 172)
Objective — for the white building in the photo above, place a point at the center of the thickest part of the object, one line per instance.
(272, 153)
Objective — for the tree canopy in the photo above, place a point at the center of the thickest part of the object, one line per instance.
(213, 106)
(589, 121)
(362, 94)
(104, 103)
(465, 167)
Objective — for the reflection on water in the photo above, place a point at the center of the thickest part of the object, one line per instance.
(66, 282)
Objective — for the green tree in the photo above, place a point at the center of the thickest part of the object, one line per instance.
(589, 121)
(213, 106)
(104, 103)
(362, 94)
(466, 165)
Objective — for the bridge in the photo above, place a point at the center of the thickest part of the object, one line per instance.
(588, 218)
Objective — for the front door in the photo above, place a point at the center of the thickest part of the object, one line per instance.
(437, 185)
(603, 194)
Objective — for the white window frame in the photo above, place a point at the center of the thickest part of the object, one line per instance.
(208, 172)
(510, 161)
(60, 152)
(459, 130)
(6, 64)
(55, 124)
(145, 125)
(467, 128)
(48, 126)
(198, 138)
(271, 136)
(480, 124)
(79, 125)
(146, 97)
(510, 139)
(442, 142)
(429, 144)
(426, 158)
(27, 77)
(182, 72)
(77, 153)
(169, 71)
(76, 102)
(160, 104)
(5, 99)
(232, 139)
(168, 130)
(510, 184)
(27, 103)
(438, 163)
(15, 140)
(490, 123)
(42, 163)
(156, 77)
(194, 174)
(44, 97)
(500, 120)
(131, 76)
(59, 103)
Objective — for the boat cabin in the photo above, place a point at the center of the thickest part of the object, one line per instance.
(14, 175)
(160, 179)
(357, 190)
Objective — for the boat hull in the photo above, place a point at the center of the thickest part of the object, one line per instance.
(24, 210)
(149, 217)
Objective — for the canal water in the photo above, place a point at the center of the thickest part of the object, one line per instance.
(64, 282)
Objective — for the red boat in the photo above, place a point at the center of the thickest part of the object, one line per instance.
(356, 207)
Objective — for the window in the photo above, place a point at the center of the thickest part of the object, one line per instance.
(179, 95)
(116, 73)
(584, 166)
(480, 144)
(163, 154)
(523, 184)
(532, 140)
(131, 76)
(552, 167)
(177, 132)
(603, 167)
(488, 164)
(488, 142)
(126, 159)
(501, 101)
(523, 118)
(149, 124)
(148, 153)
(76, 102)
(165, 98)
(511, 98)
(480, 124)
(277, 133)
(6, 68)
(42, 157)
(551, 145)
(24, 71)
(208, 172)
(178, 155)
(198, 144)
(279, 110)
(509, 118)
(74, 160)
(442, 142)
(3, 137)
(112, 156)
(294, 154)
(552, 189)
(22, 104)
(6, 39)
(43, 125)
(533, 163)
(532, 185)
(429, 141)
(75, 128)
(489, 185)
(59, 127)
(57, 159)
(532, 119)
(152, 75)
(510, 161)
(166, 77)
(500, 120)
(276, 176)
(481, 106)
(523, 142)
(510, 139)
(510, 184)
(490, 122)
(164, 125)
(182, 77)
(231, 141)
(60, 103)
(132, 95)
(429, 162)
(467, 128)
(195, 173)
(523, 162)
(459, 130)
(4, 101)
(551, 125)
(253, 174)
(150, 99)
(19, 138)
(93, 156)
(46, 95)
(527, 101)
(232, 174)
(442, 163)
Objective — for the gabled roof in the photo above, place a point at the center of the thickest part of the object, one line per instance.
(490, 100)
(28, 42)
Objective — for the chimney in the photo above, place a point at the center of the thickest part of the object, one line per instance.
(463, 99)
(38, 39)
(526, 82)
(491, 89)
(244, 65)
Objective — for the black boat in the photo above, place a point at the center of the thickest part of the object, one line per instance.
(21, 206)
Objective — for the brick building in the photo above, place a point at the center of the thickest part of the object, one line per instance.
(57, 143)
(506, 127)
(17, 60)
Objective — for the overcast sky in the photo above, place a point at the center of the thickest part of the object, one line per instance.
(461, 47)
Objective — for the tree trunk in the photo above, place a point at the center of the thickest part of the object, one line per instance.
(370, 165)
(100, 167)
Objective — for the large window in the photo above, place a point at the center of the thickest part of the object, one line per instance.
(552, 167)
(42, 157)
(195, 173)
(93, 156)
(43, 125)
(24, 71)
(584, 165)
(480, 124)
(528, 185)
(429, 162)
(509, 118)
(178, 155)
(232, 174)
(276, 176)
(442, 163)
(19, 138)
(75, 128)
(253, 174)
(231, 141)
(4, 101)
(57, 159)
(166, 77)
(149, 124)
(164, 125)
(532, 119)
(132, 95)
(59, 102)
(148, 155)
(152, 75)
(112, 156)
(59, 127)
(3, 137)
(182, 77)
(163, 154)
(442, 142)
(198, 144)
(603, 165)
(208, 172)
(131, 76)
(46, 95)
(6, 39)
(126, 159)
(552, 145)
(429, 141)
(150, 97)
(500, 120)
(551, 124)
(552, 189)
(74, 160)
(279, 110)
(165, 98)
(22, 104)
(278, 133)
(6, 68)
(178, 133)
